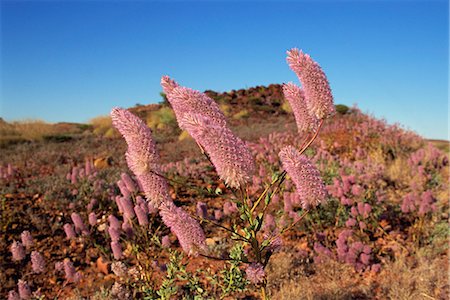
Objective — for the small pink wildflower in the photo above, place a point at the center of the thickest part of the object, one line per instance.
(305, 175)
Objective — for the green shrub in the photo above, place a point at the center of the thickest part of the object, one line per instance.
(342, 109)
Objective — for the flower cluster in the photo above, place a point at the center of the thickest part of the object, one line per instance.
(319, 99)
(142, 157)
(305, 176)
(143, 160)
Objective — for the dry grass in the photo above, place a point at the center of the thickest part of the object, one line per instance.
(407, 278)
(33, 130)
(103, 126)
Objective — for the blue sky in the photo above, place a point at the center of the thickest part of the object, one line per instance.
(74, 60)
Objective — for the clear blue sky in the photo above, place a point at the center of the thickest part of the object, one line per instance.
(72, 61)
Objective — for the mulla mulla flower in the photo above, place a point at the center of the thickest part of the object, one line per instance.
(230, 155)
(142, 157)
(296, 98)
(315, 84)
(305, 175)
(188, 230)
(186, 101)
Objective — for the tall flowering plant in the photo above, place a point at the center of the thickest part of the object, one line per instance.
(201, 117)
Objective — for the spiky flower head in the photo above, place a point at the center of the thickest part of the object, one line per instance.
(230, 155)
(295, 96)
(70, 232)
(24, 289)
(114, 222)
(187, 230)
(141, 215)
(255, 273)
(71, 274)
(318, 95)
(114, 233)
(79, 224)
(117, 250)
(305, 175)
(17, 251)
(13, 295)
(37, 262)
(142, 157)
(168, 84)
(27, 239)
(92, 219)
(129, 183)
(187, 101)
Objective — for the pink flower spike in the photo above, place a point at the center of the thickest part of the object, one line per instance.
(230, 155)
(168, 84)
(117, 250)
(70, 232)
(92, 219)
(314, 81)
(185, 101)
(141, 215)
(142, 157)
(295, 96)
(24, 289)
(17, 251)
(187, 230)
(79, 224)
(305, 175)
(27, 239)
(37, 262)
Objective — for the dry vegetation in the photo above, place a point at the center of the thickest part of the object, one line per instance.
(411, 248)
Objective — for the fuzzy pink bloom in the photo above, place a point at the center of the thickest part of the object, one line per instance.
(71, 274)
(127, 206)
(365, 258)
(91, 204)
(187, 230)
(37, 262)
(141, 215)
(114, 222)
(350, 222)
(24, 289)
(79, 224)
(142, 157)
(129, 183)
(13, 295)
(296, 98)
(123, 189)
(305, 175)
(318, 95)
(70, 232)
(114, 233)
(168, 84)
(186, 101)
(27, 239)
(17, 251)
(92, 219)
(117, 250)
(127, 228)
(255, 273)
(230, 155)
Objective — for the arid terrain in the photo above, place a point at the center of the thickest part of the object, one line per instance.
(383, 233)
